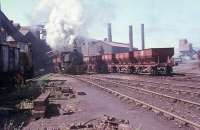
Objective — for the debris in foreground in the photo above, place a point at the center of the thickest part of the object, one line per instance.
(105, 123)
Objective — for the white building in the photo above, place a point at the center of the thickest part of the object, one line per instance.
(96, 47)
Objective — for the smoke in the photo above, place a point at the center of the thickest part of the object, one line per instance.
(67, 19)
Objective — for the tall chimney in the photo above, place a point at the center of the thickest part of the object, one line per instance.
(142, 36)
(109, 29)
(131, 37)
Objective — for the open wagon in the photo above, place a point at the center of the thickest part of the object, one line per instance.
(154, 60)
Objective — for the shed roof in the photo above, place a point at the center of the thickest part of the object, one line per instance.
(117, 44)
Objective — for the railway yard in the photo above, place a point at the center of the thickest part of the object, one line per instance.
(55, 75)
(145, 102)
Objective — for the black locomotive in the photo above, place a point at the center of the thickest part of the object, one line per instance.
(72, 62)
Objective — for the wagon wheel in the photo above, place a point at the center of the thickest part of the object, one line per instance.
(139, 70)
(169, 70)
(118, 70)
(153, 71)
(132, 70)
(114, 69)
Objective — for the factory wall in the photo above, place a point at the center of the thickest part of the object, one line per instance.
(119, 49)
(94, 48)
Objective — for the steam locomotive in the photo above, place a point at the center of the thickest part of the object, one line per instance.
(72, 62)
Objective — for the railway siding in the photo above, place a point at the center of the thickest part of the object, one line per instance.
(142, 103)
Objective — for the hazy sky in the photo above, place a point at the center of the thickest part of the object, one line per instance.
(166, 21)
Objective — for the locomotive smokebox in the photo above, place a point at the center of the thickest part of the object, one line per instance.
(131, 37)
(109, 30)
(142, 36)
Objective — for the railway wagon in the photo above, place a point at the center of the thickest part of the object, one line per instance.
(110, 61)
(97, 64)
(125, 62)
(89, 62)
(154, 60)
(15, 64)
(26, 60)
(9, 64)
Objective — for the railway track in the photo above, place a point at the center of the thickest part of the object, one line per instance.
(189, 85)
(189, 79)
(178, 77)
(193, 96)
(187, 112)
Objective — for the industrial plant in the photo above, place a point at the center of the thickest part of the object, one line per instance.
(55, 76)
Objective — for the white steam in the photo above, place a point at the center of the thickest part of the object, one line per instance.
(67, 19)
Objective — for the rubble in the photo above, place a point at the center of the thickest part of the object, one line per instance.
(105, 123)
(81, 93)
(67, 110)
(59, 98)
(25, 105)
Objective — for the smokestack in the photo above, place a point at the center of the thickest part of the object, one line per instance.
(109, 32)
(142, 36)
(131, 37)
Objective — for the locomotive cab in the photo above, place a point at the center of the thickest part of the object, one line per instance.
(72, 62)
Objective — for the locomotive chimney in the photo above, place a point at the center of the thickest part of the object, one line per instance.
(131, 37)
(109, 29)
(142, 36)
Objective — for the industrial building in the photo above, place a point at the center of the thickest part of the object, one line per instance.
(96, 47)
(93, 47)
(186, 49)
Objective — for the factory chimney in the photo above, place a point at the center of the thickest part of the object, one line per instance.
(109, 30)
(142, 36)
(131, 37)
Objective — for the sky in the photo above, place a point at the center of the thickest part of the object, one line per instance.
(166, 21)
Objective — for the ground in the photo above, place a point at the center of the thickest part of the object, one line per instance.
(97, 103)
(191, 67)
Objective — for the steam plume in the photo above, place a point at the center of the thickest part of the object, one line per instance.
(67, 19)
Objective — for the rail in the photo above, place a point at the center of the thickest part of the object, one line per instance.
(152, 92)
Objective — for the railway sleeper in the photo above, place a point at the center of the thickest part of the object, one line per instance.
(121, 97)
(157, 112)
(169, 117)
(138, 104)
(181, 123)
(146, 107)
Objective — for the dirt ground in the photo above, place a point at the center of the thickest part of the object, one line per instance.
(191, 67)
(97, 103)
